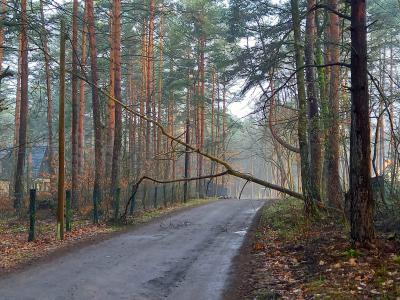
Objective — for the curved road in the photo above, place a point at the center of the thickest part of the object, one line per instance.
(185, 256)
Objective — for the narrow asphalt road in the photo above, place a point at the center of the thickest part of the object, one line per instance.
(185, 256)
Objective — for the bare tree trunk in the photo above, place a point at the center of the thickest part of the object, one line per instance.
(23, 113)
(149, 73)
(302, 123)
(314, 135)
(224, 127)
(202, 109)
(333, 186)
(361, 201)
(160, 88)
(110, 105)
(81, 123)
(75, 106)
(61, 139)
(17, 108)
(143, 99)
(117, 92)
(48, 93)
(96, 113)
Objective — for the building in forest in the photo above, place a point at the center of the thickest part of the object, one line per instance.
(37, 166)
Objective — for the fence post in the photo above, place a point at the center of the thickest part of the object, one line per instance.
(32, 215)
(68, 211)
(165, 195)
(155, 196)
(173, 193)
(117, 193)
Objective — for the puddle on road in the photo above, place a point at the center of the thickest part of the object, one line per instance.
(241, 232)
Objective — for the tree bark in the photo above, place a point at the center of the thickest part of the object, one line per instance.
(117, 92)
(75, 106)
(61, 139)
(149, 79)
(23, 113)
(48, 93)
(333, 186)
(110, 105)
(313, 113)
(81, 123)
(302, 103)
(96, 113)
(361, 201)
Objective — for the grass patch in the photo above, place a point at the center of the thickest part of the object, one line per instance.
(285, 218)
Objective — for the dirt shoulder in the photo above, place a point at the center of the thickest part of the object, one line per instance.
(16, 253)
(286, 257)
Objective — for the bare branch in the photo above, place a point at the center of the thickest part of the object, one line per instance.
(330, 9)
(136, 186)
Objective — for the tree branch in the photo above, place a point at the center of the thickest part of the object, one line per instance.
(136, 186)
(330, 9)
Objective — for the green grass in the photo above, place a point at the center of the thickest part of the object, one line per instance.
(352, 253)
(285, 217)
(396, 259)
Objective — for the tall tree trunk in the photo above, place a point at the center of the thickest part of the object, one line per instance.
(117, 92)
(17, 107)
(143, 99)
(23, 113)
(187, 141)
(81, 123)
(110, 105)
(224, 127)
(96, 113)
(361, 201)
(333, 186)
(149, 80)
(160, 88)
(201, 110)
(48, 93)
(132, 98)
(75, 105)
(61, 139)
(302, 103)
(314, 135)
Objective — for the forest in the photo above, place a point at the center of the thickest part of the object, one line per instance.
(111, 108)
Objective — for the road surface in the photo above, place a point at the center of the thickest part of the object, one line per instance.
(185, 256)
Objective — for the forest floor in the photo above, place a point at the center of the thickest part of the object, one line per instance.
(16, 252)
(286, 257)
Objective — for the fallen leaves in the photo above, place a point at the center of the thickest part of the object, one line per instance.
(318, 262)
(15, 249)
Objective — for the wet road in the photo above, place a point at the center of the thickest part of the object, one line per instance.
(185, 256)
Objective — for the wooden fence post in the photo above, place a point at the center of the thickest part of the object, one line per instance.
(117, 193)
(155, 196)
(68, 211)
(32, 215)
